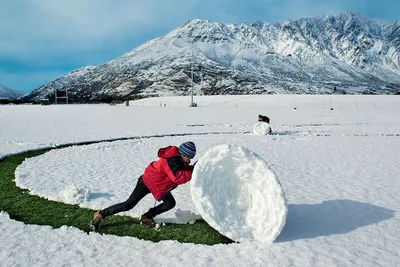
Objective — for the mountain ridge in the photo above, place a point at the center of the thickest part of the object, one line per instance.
(349, 53)
(9, 93)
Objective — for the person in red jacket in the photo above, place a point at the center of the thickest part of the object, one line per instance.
(159, 178)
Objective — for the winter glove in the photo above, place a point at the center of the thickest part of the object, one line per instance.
(191, 167)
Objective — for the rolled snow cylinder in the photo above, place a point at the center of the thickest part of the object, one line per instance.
(261, 128)
(236, 193)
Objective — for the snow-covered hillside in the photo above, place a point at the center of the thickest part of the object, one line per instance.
(6, 92)
(61, 84)
(348, 53)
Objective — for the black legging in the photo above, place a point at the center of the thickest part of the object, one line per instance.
(138, 193)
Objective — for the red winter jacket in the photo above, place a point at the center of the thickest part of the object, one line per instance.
(167, 173)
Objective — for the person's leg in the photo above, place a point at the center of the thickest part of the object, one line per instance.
(138, 193)
(168, 203)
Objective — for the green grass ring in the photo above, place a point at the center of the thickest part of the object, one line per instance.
(31, 209)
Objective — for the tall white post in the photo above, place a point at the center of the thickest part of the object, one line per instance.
(191, 59)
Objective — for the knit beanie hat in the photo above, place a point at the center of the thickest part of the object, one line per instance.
(188, 149)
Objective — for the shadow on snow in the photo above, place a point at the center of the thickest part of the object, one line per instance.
(100, 195)
(330, 218)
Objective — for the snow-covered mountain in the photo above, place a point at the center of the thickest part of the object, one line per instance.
(348, 53)
(9, 93)
(47, 91)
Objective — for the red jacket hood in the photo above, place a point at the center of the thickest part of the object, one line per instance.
(169, 151)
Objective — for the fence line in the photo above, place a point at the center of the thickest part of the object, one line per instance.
(333, 105)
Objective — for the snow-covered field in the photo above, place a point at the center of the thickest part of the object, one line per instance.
(338, 169)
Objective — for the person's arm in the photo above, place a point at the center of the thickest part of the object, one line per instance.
(177, 171)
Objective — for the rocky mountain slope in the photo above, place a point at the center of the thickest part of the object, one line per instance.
(348, 53)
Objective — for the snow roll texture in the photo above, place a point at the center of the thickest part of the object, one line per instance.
(261, 128)
(237, 194)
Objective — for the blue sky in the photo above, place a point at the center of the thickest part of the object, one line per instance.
(41, 40)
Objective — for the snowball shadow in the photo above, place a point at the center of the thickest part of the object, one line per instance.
(329, 218)
(97, 195)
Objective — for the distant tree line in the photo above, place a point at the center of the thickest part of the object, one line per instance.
(7, 101)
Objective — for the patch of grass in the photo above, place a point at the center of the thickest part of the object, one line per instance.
(30, 209)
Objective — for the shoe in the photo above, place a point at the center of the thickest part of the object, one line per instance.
(147, 219)
(95, 223)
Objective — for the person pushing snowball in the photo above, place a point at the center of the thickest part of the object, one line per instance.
(262, 127)
(159, 178)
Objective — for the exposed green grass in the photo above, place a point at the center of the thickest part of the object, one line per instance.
(36, 210)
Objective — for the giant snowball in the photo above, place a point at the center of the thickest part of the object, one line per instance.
(237, 194)
(261, 128)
